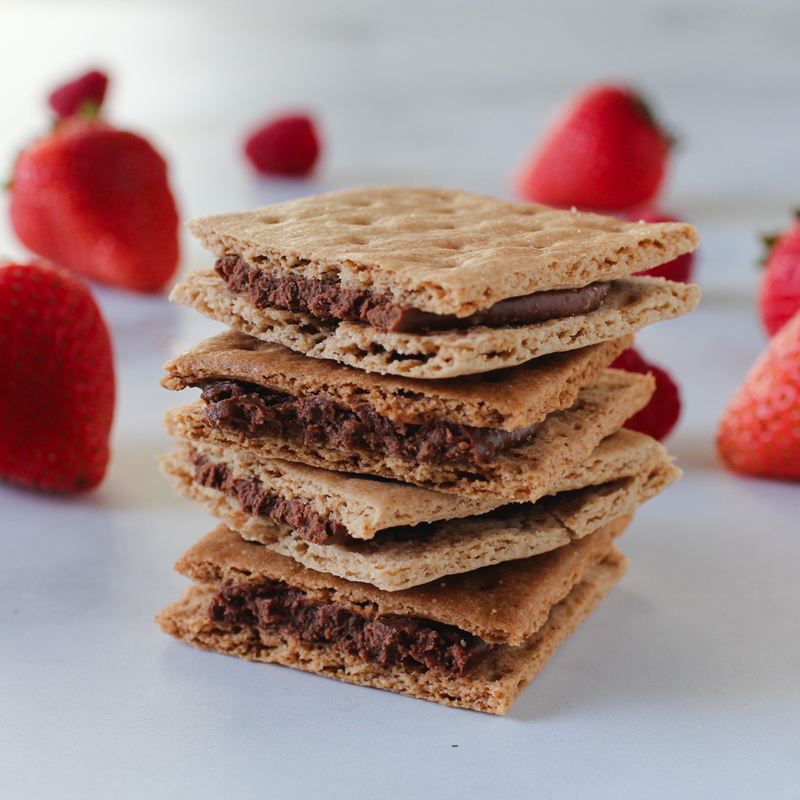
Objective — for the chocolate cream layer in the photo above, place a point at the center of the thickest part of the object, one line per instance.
(331, 300)
(260, 502)
(253, 410)
(386, 640)
(308, 524)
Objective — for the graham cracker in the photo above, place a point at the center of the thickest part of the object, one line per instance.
(522, 474)
(503, 604)
(367, 506)
(458, 546)
(557, 590)
(630, 305)
(439, 250)
(508, 399)
(401, 558)
(363, 504)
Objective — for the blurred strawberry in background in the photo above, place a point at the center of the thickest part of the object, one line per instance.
(287, 146)
(57, 403)
(605, 152)
(96, 199)
(661, 414)
(759, 433)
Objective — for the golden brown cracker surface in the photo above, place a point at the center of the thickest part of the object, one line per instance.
(507, 399)
(491, 687)
(523, 474)
(402, 557)
(439, 250)
(502, 604)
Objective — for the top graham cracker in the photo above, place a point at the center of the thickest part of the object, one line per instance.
(440, 250)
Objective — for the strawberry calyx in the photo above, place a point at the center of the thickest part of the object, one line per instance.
(769, 240)
(89, 109)
(779, 287)
(645, 110)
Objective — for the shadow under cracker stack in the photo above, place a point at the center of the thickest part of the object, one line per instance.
(411, 433)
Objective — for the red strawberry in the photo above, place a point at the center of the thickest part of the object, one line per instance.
(96, 199)
(779, 294)
(760, 430)
(287, 145)
(606, 151)
(83, 95)
(680, 268)
(660, 415)
(57, 402)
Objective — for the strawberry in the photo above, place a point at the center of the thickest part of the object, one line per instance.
(605, 152)
(287, 145)
(96, 200)
(679, 269)
(83, 95)
(57, 403)
(660, 415)
(779, 293)
(759, 433)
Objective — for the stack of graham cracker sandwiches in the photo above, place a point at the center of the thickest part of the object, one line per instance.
(410, 434)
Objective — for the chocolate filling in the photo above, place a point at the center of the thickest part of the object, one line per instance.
(259, 502)
(389, 641)
(253, 410)
(330, 300)
(307, 523)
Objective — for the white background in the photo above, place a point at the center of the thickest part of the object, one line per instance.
(684, 684)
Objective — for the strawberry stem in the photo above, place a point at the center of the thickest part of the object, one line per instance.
(88, 110)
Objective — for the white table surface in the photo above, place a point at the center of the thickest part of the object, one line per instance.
(685, 683)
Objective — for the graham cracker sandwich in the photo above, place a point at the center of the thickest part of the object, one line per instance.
(447, 434)
(433, 283)
(395, 535)
(472, 641)
(522, 473)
